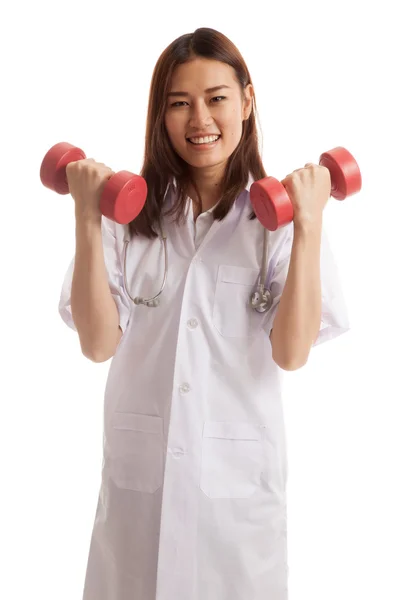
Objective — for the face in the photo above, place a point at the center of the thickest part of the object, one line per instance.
(195, 111)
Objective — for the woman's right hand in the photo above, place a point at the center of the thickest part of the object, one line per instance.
(86, 181)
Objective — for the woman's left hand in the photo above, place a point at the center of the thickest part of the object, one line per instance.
(309, 190)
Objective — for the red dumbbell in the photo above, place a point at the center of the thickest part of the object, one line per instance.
(123, 196)
(271, 202)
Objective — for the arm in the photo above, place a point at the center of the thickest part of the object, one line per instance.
(93, 308)
(298, 317)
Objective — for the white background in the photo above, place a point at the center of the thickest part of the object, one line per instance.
(325, 74)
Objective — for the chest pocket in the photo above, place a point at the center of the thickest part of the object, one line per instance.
(233, 315)
(233, 459)
(134, 451)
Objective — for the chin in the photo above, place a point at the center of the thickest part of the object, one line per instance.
(210, 164)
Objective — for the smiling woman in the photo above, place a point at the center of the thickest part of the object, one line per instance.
(201, 87)
(193, 499)
(205, 129)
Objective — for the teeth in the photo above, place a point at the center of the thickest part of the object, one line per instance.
(204, 140)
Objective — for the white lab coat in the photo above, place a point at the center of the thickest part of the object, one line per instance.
(192, 504)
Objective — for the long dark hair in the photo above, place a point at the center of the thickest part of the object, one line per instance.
(161, 163)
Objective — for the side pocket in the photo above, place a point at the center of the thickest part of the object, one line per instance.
(232, 459)
(134, 451)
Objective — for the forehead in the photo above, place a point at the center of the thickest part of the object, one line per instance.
(199, 74)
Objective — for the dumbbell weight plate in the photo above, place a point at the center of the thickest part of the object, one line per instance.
(345, 173)
(271, 214)
(123, 197)
(52, 170)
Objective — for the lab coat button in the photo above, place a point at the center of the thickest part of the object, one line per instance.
(184, 388)
(177, 452)
(192, 323)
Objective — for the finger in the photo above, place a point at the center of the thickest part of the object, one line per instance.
(286, 182)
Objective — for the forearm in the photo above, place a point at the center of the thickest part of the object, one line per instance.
(298, 317)
(93, 308)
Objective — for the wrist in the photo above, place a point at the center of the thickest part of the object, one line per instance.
(86, 220)
(307, 224)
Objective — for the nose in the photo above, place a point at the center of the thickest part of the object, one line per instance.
(200, 116)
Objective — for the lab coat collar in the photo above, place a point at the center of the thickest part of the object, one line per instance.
(250, 181)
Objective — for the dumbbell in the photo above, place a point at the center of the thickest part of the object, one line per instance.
(123, 196)
(271, 202)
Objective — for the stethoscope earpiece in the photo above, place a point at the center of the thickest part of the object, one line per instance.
(150, 303)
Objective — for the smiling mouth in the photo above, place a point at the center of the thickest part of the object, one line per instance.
(203, 143)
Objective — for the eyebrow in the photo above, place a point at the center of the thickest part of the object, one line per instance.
(207, 91)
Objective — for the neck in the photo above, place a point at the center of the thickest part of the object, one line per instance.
(208, 184)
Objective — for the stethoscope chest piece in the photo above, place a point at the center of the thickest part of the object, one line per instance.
(261, 300)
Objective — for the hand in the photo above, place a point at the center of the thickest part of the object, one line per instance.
(309, 190)
(86, 181)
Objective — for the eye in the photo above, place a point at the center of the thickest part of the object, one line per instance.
(176, 103)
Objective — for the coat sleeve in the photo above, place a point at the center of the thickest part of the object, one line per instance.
(114, 266)
(334, 317)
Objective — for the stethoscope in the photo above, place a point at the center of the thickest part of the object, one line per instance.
(260, 299)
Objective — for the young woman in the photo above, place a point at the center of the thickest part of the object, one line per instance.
(192, 503)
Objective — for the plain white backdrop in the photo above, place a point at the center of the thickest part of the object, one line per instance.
(325, 75)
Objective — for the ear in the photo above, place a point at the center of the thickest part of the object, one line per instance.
(248, 101)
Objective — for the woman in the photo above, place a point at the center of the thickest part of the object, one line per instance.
(192, 503)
